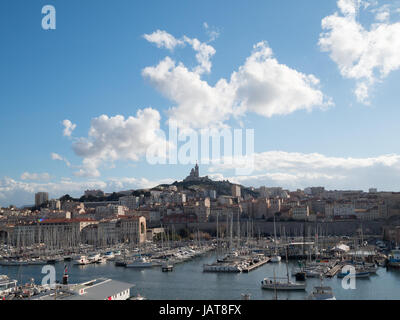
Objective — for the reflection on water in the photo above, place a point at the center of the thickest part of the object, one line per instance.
(187, 281)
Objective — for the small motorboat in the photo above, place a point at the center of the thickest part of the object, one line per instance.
(322, 293)
(275, 259)
(166, 267)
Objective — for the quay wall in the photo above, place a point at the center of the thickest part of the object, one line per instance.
(292, 228)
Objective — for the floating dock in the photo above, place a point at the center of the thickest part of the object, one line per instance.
(333, 271)
(256, 265)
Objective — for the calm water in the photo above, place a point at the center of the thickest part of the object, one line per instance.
(187, 281)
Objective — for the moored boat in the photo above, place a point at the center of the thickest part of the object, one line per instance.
(275, 259)
(140, 263)
(274, 284)
(361, 273)
(322, 293)
(83, 260)
(394, 258)
(166, 267)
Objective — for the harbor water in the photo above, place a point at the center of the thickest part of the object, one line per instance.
(188, 281)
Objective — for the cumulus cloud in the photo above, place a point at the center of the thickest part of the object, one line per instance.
(266, 87)
(262, 85)
(204, 52)
(163, 39)
(367, 55)
(198, 104)
(35, 176)
(68, 127)
(116, 138)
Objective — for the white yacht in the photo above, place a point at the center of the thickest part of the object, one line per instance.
(109, 255)
(275, 259)
(140, 263)
(94, 258)
(83, 260)
(284, 283)
(322, 292)
(274, 284)
(7, 285)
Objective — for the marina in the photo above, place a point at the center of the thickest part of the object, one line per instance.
(189, 281)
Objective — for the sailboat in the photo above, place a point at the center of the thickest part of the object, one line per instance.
(322, 293)
(275, 258)
(274, 284)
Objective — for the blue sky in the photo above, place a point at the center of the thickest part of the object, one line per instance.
(93, 64)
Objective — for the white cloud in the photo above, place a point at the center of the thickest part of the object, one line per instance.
(35, 176)
(349, 7)
(262, 85)
(299, 170)
(282, 179)
(281, 160)
(266, 87)
(56, 156)
(163, 39)
(212, 33)
(383, 16)
(116, 138)
(365, 55)
(204, 52)
(68, 127)
(198, 104)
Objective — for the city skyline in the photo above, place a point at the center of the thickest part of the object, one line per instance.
(84, 102)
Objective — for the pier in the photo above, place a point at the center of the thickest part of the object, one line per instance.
(333, 271)
(256, 265)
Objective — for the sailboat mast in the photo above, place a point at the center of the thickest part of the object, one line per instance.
(287, 264)
(275, 236)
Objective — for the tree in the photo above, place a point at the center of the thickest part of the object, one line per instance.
(67, 197)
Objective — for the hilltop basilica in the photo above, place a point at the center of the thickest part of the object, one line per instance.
(195, 176)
